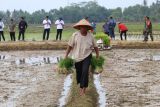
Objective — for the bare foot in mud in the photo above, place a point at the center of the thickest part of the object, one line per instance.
(82, 91)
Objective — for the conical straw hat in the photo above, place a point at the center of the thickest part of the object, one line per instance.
(83, 22)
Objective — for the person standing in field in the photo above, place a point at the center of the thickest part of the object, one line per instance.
(106, 28)
(22, 28)
(122, 30)
(11, 27)
(47, 25)
(81, 44)
(60, 26)
(147, 29)
(1, 29)
(112, 25)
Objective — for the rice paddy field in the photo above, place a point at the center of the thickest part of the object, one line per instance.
(130, 77)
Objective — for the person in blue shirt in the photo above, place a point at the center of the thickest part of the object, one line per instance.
(112, 25)
(106, 28)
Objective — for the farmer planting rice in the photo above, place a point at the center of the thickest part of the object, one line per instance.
(80, 45)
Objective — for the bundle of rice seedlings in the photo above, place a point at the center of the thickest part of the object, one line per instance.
(105, 38)
(65, 66)
(97, 64)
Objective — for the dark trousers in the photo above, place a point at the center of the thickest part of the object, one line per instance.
(123, 33)
(82, 71)
(111, 33)
(146, 35)
(2, 34)
(21, 33)
(44, 34)
(59, 34)
(12, 35)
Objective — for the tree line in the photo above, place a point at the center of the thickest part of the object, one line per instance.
(76, 11)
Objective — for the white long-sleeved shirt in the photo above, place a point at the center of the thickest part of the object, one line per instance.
(59, 24)
(1, 26)
(47, 24)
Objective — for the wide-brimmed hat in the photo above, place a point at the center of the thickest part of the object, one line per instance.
(81, 23)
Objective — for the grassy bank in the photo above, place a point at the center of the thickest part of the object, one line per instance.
(56, 45)
(87, 100)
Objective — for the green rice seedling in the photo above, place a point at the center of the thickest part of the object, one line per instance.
(97, 64)
(104, 37)
(65, 66)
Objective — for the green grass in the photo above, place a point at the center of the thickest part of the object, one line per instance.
(35, 32)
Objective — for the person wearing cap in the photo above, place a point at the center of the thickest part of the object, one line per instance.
(11, 27)
(122, 30)
(47, 26)
(80, 45)
(22, 28)
(60, 26)
(1, 29)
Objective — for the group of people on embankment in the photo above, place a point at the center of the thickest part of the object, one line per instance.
(108, 28)
(22, 26)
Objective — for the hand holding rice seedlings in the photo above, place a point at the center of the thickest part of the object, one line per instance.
(65, 66)
(97, 64)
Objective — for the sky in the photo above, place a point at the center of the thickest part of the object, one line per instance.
(33, 5)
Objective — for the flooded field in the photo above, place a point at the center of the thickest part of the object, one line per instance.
(138, 37)
(28, 79)
(131, 78)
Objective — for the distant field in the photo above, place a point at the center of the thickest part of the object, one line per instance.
(35, 32)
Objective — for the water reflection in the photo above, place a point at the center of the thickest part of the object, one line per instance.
(2, 57)
(66, 90)
(100, 90)
(156, 58)
(38, 60)
(151, 58)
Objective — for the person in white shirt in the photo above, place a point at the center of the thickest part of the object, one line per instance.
(1, 29)
(47, 26)
(60, 26)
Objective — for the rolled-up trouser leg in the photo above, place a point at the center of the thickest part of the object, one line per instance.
(151, 36)
(146, 36)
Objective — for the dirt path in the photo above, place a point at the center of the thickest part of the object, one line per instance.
(23, 84)
(131, 78)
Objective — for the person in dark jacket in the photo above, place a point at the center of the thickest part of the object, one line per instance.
(22, 28)
(112, 25)
(106, 28)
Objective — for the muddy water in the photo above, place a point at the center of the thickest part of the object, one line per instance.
(131, 78)
(100, 90)
(28, 79)
(138, 37)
